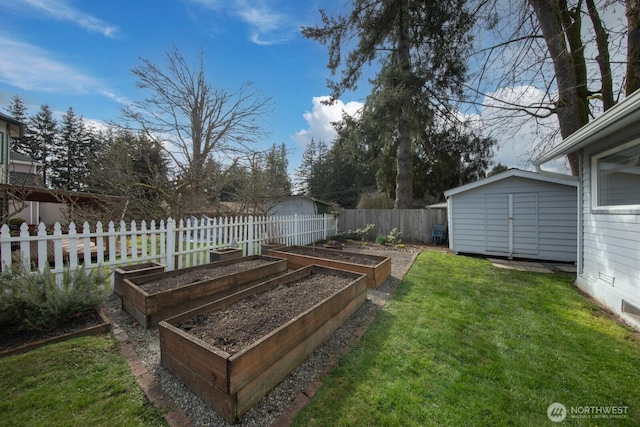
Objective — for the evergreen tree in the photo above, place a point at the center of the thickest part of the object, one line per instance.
(421, 47)
(68, 155)
(135, 168)
(42, 133)
(275, 167)
(18, 111)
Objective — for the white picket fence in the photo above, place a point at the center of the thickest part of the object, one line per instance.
(176, 245)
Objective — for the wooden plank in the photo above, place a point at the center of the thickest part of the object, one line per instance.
(374, 278)
(207, 361)
(149, 309)
(224, 404)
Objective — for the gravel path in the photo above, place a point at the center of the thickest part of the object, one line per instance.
(268, 409)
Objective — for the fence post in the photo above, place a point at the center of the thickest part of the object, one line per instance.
(295, 230)
(250, 235)
(170, 245)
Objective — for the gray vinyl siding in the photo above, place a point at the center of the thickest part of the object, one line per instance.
(544, 219)
(610, 243)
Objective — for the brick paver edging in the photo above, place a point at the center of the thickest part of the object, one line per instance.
(173, 414)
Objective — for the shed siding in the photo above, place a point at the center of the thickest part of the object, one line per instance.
(610, 248)
(544, 219)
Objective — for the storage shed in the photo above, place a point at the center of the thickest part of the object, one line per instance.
(515, 214)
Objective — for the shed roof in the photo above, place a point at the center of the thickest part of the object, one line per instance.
(536, 176)
(620, 116)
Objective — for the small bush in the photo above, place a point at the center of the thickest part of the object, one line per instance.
(375, 200)
(33, 300)
(382, 239)
(358, 234)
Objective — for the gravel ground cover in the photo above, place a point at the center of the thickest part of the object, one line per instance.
(266, 411)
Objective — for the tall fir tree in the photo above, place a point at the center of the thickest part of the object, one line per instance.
(42, 133)
(420, 46)
(67, 154)
(18, 111)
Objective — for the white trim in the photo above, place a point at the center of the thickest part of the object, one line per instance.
(595, 194)
(555, 178)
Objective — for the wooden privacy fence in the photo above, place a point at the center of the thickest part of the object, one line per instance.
(415, 224)
(176, 245)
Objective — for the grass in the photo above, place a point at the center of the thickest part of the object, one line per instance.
(81, 382)
(464, 343)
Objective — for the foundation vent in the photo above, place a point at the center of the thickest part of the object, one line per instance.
(606, 278)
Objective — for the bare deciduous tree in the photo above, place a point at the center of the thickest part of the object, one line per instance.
(194, 120)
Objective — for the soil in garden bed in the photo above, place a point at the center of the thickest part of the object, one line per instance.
(240, 324)
(335, 255)
(194, 276)
(11, 339)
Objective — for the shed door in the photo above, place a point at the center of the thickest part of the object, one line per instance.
(497, 218)
(512, 223)
(525, 224)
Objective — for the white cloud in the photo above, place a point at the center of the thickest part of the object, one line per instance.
(321, 117)
(520, 137)
(63, 11)
(36, 70)
(266, 25)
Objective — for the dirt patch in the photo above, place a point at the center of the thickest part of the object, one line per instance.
(239, 325)
(343, 256)
(199, 275)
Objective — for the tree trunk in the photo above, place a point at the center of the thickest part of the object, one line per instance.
(404, 159)
(633, 47)
(603, 58)
(571, 114)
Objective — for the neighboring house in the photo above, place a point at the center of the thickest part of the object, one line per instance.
(515, 214)
(24, 173)
(9, 128)
(297, 205)
(608, 151)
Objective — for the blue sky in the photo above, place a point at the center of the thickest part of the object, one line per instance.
(72, 53)
(80, 54)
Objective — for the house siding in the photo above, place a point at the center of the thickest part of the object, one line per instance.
(544, 222)
(610, 247)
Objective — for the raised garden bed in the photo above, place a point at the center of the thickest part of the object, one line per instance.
(377, 268)
(223, 254)
(154, 297)
(265, 247)
(131, 271)
(233, 351)
(94, 322)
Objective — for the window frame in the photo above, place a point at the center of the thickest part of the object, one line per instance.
(632, 209)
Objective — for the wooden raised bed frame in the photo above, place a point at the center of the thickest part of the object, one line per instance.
(149, 309)
(232, 384)
(223, 254)
(376, 274)
(135, 270)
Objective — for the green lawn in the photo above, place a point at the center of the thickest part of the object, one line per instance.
(80, 382)
(463, 343)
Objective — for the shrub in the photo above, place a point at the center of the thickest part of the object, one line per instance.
(33, 300)
(382, 239)
(358, 234)
(375, 200)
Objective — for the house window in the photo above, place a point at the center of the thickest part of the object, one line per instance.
(616, 177)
